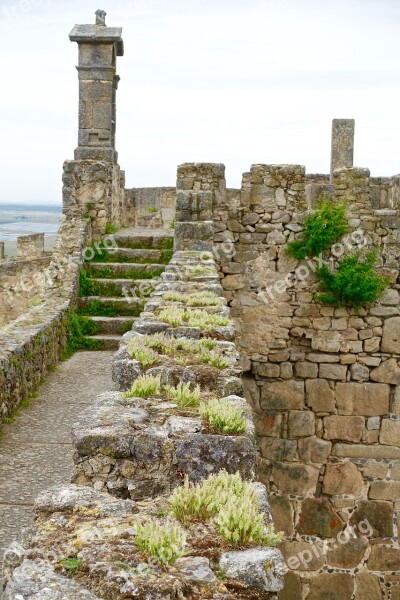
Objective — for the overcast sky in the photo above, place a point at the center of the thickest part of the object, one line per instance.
(232, 81)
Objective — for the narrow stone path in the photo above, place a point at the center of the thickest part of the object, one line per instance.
(36, 450)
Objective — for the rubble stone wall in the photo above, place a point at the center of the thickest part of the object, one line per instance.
(150, 207)
(323, 381)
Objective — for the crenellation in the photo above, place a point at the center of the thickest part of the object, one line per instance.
(342, 152)
(30, 247)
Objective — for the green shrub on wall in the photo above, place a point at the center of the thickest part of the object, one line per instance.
(322, 229)
(355, 281)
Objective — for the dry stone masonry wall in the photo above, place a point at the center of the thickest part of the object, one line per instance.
(323, 382)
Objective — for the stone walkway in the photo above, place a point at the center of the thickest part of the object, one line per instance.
(36, 451)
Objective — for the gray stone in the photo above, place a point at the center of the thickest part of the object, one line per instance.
(196, 569)
(342, 152)
(261, 568)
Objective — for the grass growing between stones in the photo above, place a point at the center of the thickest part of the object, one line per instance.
(182, 350)
(230, 503)
(144, 387)
(195, 299)
(71, 564)
(163, 543)
(223, 416)
(109, 273)
(77, 328)
(183, 395)
(178, 317)
(96, 308)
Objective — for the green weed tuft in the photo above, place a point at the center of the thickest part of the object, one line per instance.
(223, 416)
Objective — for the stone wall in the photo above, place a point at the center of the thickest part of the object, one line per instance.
(150, 207)
(323, 383)
(94, 190)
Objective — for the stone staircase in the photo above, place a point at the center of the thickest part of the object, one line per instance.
(116, 283)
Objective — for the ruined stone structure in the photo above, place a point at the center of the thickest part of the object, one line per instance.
(323, 382)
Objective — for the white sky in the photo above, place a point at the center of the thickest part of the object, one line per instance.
(230, 81)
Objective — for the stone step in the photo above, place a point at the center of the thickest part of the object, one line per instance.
(101, 306)
(107, 342)
(131, 270)
(142, 288)
(114, 326)
(132, 255)
(160, 239)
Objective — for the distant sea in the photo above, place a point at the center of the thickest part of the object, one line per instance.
(24, 219)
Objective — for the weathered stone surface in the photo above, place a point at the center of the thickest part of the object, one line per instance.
(320, 397)
(347, 555)
(362, 451)
(36, 580)
(294, 478)
(282, 514)
(387, 372)
(278, 449)
(318, 518)
(390, 432)
(283, 395)
(261, 568)
(384, 558)
(291, 587)
(301, 556)
(343, 428)
(306, 370)
(368, 587)
(342, 479)
(367, 399)
(301, 423)
(379, 516)
(196, 569)
(269, 424)
(313, 449)
(384, 490)
(331, 586)
(391, 335)
(329, 371)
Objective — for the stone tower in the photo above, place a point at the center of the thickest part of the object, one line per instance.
(99, 47)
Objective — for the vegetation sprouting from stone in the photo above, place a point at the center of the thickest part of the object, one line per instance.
(77, 328)
(230, 503)
(144, 387)
(71, 564)
(355, 282)
(192, 318)
(322, 228)
(183, 395)
(223, 416)
(195, 299)
(163, 543)
(182, 350)
(109, 309)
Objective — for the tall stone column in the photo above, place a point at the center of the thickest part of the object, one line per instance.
(99, 47)
(342, 154)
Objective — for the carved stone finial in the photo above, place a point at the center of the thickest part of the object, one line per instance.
(100, 17)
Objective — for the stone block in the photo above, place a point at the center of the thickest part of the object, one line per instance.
(384, 490)
(294, 478)
(283, 395)
(260, 568)
(391, 335)
(331, 586)
(368, 587)
(366, 399)
(390, 433)
(387, 372)
(268, 425)
(359, 372)
(376, 470)
(282, 514)
(362, 451)
(306, 370)
(301, 423)
(320, 397)
(379, 516)
(291, 587)
(349, 429)
(384, 558)
(268, 370)
(348, 554)
(327, 371)
(342, 479)
(318, 518)
(301, 556)
(278, 449)
(314, 450)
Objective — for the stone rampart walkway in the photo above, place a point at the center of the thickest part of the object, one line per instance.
(36, 450)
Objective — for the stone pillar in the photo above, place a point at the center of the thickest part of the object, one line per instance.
(199, 187)
(2, 254)
(30, 246)
(99, 47)
(342, 153)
